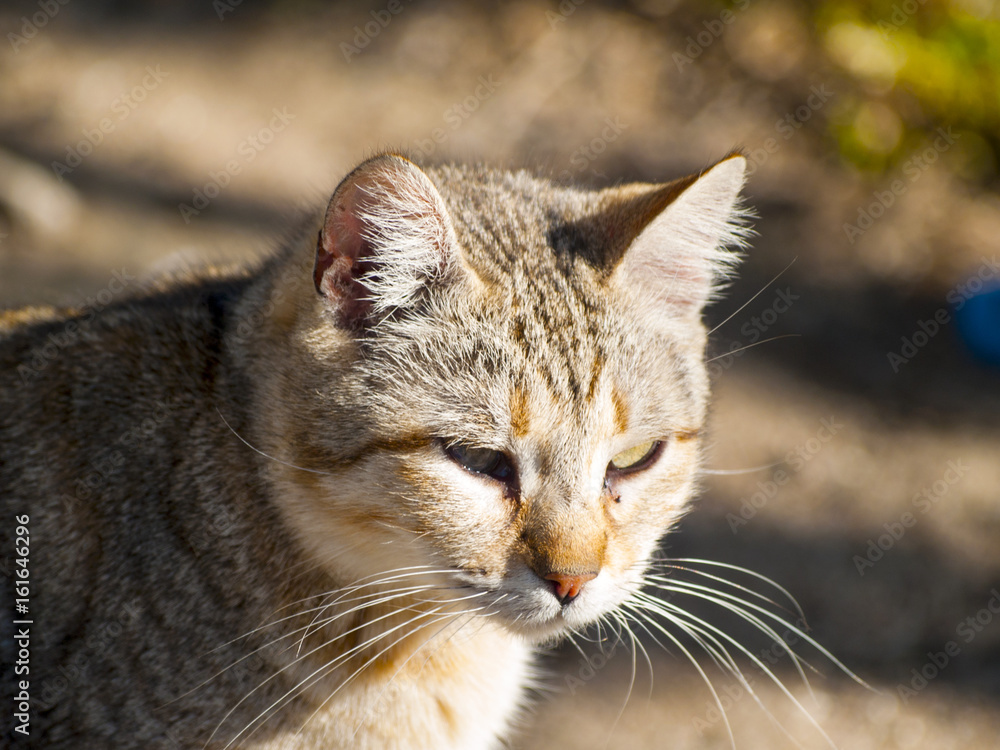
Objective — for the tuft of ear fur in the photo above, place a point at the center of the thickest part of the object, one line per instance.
(680, 256)
(385, 236)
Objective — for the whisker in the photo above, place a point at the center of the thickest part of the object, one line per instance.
(265, 455)
(458, 623)
(376, 598)
(671, 613)
(703, 627)
(660, 581)
(737, 569)
(309, 653)
(309, 680)
(716, 650)
(572, 640)
(327, 668)
(718, 702)
(374, 579)
(749, 470)
(623, 626)
(343, 592)
(751, 346)
(736, 605)
(290, 634)
(762, 290)
(449, 618)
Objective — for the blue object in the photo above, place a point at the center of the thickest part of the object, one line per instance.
(978, 322)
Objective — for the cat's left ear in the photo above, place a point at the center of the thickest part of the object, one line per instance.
(385, 236)
(682, 234)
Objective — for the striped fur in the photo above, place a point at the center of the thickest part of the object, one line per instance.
(287, 547)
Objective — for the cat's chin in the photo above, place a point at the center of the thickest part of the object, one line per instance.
(542, 633)
(546, 625)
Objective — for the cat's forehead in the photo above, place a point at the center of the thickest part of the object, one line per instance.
(545, 329)
(493, 192)
(556, 308)
(547, 366)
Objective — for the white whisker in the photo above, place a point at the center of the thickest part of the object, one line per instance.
(342, 657)
(265, 455)
(645, 618)
(677, 615)
(734, 472)
(762, 290)
(314, 676)
(731, 352)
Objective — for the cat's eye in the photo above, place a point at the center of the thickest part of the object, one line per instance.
(635, 458)
(486, 461)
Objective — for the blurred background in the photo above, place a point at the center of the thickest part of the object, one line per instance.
(137, 137)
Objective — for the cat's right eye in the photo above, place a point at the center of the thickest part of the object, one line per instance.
(486, 461)
(636, 458)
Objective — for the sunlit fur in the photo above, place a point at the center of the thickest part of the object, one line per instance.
(558, 326)
(309, 565)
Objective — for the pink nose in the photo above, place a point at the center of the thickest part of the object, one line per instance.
(568, 587)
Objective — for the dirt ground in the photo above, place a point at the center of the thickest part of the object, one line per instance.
(146, 136)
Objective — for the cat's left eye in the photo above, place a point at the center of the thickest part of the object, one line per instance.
(486, 461)
(635, 458)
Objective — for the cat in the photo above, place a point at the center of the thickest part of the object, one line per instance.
(339, 499)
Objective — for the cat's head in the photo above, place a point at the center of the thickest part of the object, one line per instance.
(506, 382)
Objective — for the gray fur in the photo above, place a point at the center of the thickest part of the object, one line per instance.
(199, 460)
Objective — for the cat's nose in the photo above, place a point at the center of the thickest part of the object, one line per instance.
(568, 587)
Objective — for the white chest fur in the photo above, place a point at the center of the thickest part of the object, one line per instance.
(461, 691)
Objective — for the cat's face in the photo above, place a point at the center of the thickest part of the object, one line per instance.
(535, 494)
(526, 382)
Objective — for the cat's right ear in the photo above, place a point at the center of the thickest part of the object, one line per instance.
(385, 236)
(679, 234)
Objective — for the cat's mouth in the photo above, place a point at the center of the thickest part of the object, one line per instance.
(539, 609)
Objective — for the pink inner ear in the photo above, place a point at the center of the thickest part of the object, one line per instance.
(683, 282)
(340, 256)
(385, 237)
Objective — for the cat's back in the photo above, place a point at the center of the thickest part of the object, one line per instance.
(111, 440)
(82, 391)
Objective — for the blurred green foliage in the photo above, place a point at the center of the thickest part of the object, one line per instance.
(917, 64)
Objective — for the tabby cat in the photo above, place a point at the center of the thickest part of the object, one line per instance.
(338, 500)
